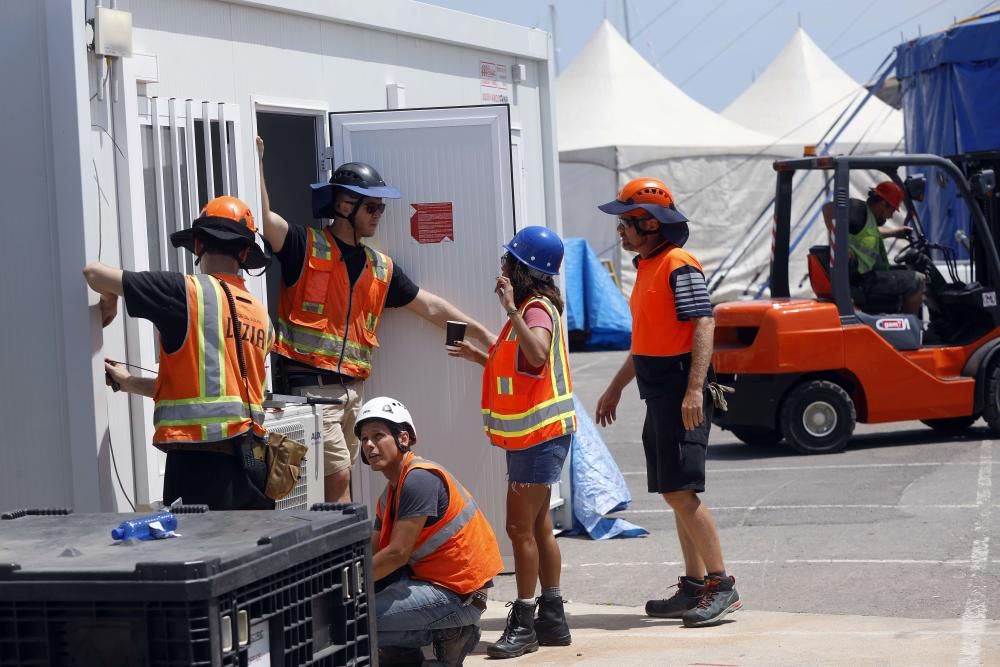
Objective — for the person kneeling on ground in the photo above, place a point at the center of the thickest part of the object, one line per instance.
(435, 553)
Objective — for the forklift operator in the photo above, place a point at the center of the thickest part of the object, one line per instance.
(871, 275)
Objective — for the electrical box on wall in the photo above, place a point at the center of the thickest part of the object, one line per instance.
(112, 32)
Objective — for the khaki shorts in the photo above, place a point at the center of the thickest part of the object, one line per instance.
(340, 447)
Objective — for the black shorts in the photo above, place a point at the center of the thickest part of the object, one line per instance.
(888, 284)
(675, 457)
(213, 479)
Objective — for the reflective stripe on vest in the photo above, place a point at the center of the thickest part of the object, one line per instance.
(525, 422)
(217, 407)
(541, 408)
(446, 532)
(324, 344)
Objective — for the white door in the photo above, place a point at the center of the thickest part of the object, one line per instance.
(461, 156)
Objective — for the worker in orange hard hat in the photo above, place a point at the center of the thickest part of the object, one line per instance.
(214, 338)
(872, 277)
(672, 330)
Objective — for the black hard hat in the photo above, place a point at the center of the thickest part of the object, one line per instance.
(359, 178)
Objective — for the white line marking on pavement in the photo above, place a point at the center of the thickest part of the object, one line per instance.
(974, 616)
(741, 508)
(845, 466)
(576, 370)
(790, 561)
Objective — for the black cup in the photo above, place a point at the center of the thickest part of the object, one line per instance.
(455, 332)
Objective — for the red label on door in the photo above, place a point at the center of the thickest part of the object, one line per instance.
(432, 222)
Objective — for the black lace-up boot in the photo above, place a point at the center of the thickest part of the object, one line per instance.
(452, 645)
(397, 656)
(519, 636)
(550, 625)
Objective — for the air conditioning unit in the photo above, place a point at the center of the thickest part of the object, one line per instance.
(302, 423)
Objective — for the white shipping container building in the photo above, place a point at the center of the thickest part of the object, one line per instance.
(119, 121)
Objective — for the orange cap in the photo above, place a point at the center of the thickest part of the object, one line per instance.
(889, 192)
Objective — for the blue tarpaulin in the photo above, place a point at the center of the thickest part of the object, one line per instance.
(951, 100)
(598, 485)
(596, 311)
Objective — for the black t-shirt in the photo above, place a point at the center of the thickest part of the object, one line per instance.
(292, 255)
(857, 215)
(423, 494)
(161, 298)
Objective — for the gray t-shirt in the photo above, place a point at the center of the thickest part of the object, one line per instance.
(423, 494)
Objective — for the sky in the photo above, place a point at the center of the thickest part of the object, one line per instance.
(712, 49)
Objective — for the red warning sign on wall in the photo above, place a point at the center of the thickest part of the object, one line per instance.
(432, 222)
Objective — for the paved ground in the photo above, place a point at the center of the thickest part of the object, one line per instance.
(884, 545)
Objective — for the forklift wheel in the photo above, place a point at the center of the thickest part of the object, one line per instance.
(758, 437)
(951, 425)
(817, 417)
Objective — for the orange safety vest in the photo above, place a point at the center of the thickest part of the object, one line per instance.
(322, 322)
(520, 409)
(199, 389)
(460, 551)
(656, 331)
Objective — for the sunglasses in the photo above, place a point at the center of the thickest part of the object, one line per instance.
(630, 220)
(371, 207)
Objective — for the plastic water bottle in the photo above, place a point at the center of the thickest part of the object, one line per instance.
(149, 527)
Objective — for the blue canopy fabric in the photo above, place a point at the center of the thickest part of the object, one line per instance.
(598, 486)
(951, 98)
(596, 311)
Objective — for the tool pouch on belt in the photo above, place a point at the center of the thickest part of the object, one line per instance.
(283, 457)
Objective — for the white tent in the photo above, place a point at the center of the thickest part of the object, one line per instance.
(802, 93)
(619, 119)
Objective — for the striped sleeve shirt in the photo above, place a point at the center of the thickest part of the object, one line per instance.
(690, 293)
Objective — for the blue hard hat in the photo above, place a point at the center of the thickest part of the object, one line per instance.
(539, 248)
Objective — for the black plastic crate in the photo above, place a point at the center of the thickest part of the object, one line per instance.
(237, 588)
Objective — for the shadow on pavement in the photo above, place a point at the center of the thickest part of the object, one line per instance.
(738, 451)
(492, 627)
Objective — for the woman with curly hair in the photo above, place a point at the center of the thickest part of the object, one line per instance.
(527, 404)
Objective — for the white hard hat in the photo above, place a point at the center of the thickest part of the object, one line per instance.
(386, 409)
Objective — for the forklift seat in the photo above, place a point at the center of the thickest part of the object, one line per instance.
(819, 271)
(819, 280)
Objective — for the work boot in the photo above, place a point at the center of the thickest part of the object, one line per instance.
(550, 625)
(398, 656)
(687, 596)
(452, 645)
(718, 598)
(519, 636)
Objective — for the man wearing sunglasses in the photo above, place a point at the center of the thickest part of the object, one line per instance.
(672, 328)
(333, 291)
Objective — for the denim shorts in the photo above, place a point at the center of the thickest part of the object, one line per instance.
(541, 464)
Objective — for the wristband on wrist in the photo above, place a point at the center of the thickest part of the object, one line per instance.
(512, 312)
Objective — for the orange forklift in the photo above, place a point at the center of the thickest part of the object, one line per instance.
(806, 370)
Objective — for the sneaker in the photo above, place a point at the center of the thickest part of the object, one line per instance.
(687, 596)
(452, 645)
(519, 636)
(718, 598)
